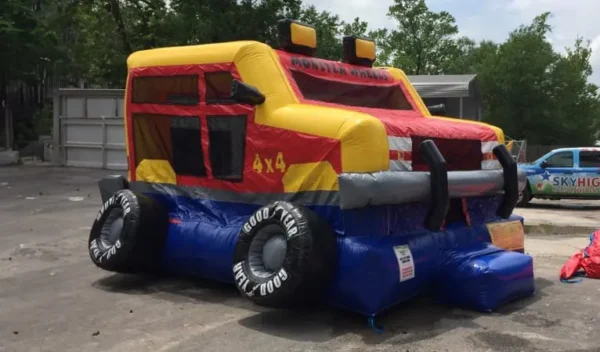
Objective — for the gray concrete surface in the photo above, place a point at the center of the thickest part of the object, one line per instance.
(562, 214)
(52, 298)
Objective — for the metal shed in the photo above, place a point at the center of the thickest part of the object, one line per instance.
(460, 93)
(88, 128)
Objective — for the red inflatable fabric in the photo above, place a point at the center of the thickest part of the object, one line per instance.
(586, 260)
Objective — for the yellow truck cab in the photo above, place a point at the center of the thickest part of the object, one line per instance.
(299, 178)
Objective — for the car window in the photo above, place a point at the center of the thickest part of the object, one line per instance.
(589, 159)
(561, 159)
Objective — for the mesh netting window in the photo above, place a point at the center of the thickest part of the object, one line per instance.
(176, 139)
(188, 158)
(351, 94)
(460, 154)
(218, 87)
(173, 90)
(227, 140)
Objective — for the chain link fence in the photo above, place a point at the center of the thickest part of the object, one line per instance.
(518, 149)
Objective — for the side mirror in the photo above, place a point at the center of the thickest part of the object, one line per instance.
(439, 109)
(544, 164)
(246, 94)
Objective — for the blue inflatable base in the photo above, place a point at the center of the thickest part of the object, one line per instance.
(476, 275)
(385, 254)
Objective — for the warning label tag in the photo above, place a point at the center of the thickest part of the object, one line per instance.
(406, 265)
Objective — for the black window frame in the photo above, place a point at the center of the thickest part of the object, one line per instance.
(296, 74)
(558, 153)
(195, 101)
(591, 153)
(237, 161)
(217, 101)
(190, 160)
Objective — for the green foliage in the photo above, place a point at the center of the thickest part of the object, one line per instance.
(42, 120)
(328, 31)
(532, 92)
(528, 89)
(424, 41)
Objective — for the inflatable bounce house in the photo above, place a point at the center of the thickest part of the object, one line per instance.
(301, 179)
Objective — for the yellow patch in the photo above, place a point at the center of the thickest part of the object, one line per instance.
(365, 49)
(159, 171)
(302, 35)
(319, 176)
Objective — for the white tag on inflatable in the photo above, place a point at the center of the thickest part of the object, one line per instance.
(406, 265)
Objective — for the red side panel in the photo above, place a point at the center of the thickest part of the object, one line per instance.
(164, 109)
(268, 151)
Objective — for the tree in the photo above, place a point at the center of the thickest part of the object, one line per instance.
(514, 82)
(356, 27)
(328, 27)
(532, 92)
(528, 89)
(29, 49)
(577, 101)
(423, 43)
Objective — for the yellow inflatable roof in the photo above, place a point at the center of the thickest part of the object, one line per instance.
(187, 55)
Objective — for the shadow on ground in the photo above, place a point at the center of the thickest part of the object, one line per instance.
(419, 319)
(174, 289)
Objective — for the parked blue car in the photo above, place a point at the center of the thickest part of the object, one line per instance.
(565, 173)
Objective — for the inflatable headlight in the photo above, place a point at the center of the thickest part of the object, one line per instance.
(297, 37)
(359, 51)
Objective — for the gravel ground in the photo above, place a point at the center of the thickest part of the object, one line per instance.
(52, 298)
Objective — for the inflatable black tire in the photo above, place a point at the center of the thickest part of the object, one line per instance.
(299, 271)
(128, 233)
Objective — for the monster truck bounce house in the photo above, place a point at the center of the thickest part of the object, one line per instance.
(298, 178)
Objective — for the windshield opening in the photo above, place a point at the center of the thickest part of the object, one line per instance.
(389, 97)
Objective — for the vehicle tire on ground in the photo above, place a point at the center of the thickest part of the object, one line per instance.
(285, 255)
(525, 196)
(128, 233)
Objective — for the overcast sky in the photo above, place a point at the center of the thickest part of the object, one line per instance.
(493, 19)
